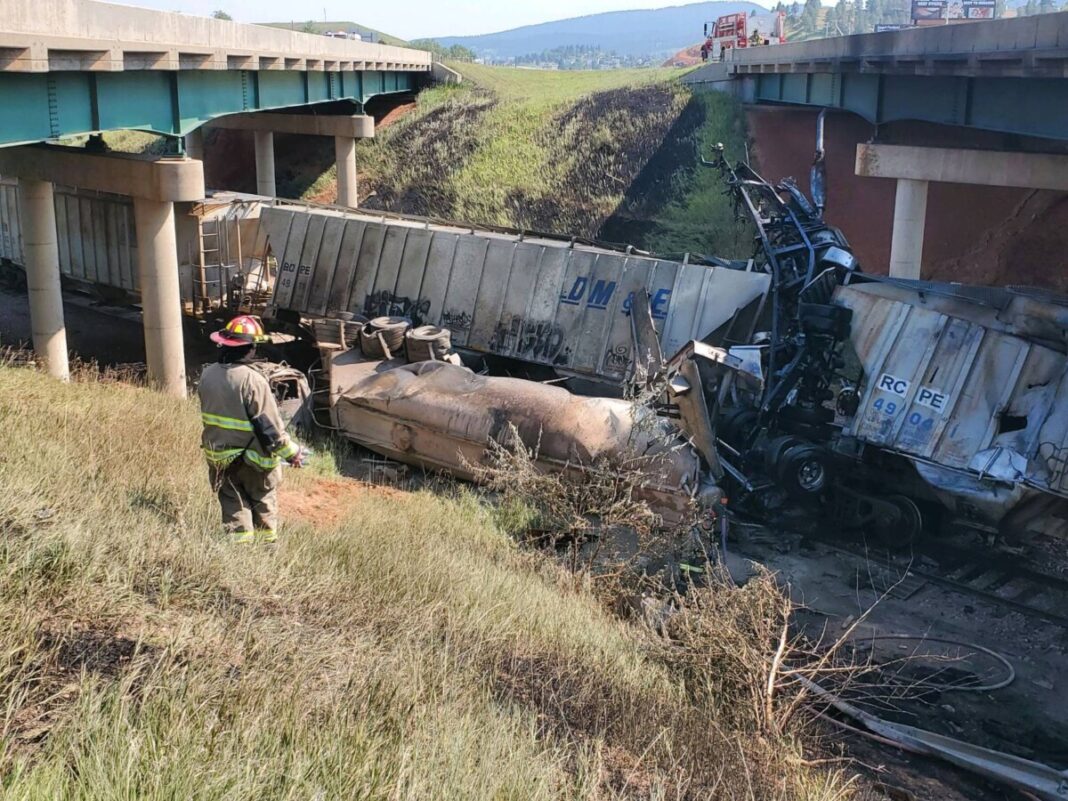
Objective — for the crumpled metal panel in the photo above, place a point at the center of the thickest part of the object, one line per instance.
(952, 391)
(540, 300)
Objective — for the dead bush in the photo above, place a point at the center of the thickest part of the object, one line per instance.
(576, 507)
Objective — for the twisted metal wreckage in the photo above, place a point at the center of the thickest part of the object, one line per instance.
(802, 386)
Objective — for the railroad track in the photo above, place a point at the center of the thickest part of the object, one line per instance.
(1003, 579)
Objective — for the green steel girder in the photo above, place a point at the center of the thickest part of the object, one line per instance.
(1027, 106)
(40, 106)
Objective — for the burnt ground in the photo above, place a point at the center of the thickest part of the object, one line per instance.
(602, 145)
(415, 176)
(921, 683)
(657, 184)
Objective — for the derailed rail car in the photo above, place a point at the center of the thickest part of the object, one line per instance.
(222, 260)
(975, 401)
(889, 405)
(545, 301)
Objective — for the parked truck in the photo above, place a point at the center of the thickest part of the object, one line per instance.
(742, 30)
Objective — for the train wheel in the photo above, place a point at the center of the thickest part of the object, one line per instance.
(904, 528)
(804, 471)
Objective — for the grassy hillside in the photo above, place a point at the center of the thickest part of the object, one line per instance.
(398, 647)
(565, 152)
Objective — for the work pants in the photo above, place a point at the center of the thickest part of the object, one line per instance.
(248, 499)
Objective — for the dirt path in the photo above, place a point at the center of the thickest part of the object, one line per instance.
(326, 502)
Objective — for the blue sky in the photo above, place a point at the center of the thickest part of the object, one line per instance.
(408, 19)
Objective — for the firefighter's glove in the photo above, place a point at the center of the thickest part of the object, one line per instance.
(301, 458)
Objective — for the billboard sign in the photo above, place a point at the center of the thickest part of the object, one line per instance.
(927, 10)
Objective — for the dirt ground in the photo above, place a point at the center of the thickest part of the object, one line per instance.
(1026, 718)
(326, 502)
(108, 335)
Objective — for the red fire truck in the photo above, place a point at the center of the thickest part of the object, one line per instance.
(742, 30)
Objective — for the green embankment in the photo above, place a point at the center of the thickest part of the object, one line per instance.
(603, 154)
(405, 650)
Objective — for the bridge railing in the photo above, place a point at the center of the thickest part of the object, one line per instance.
(1041, 36)
(40, 26)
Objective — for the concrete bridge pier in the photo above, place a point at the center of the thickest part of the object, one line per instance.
(345, 156)
(345, 129)
(37, 211)
(910, 218)
(155, 185)
(161, 300)
(265, 183)
(194, 144)
(914, 167)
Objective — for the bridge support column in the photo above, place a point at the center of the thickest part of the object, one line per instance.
(155, 184)
(265, 184)
(345, 129)
(345, 154)
(41, 249)
(161, 300)
(910, 216)
(194, 144)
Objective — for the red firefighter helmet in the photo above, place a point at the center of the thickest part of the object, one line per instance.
(239, 332)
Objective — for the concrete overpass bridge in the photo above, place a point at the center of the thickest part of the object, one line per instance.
(1007, 76)
(70, 67)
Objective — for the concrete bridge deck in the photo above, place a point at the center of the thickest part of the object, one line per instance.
(999, 75)
(79, 66)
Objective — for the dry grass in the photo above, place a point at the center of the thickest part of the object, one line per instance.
(411, 652)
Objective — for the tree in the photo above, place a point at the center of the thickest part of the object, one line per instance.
(461, 53)
(830, 22)
(810, 17)
(308, 27)
(220, 14)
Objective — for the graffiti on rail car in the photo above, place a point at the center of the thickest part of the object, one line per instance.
(540, 340)
(387, 304)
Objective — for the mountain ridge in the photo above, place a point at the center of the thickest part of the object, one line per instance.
(656, 33)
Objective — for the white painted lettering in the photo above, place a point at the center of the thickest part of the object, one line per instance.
(892, 384)
(932, 398)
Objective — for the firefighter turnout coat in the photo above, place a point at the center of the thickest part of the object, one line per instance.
(241, 419)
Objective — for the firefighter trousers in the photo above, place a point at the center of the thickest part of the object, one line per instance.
(248, 499)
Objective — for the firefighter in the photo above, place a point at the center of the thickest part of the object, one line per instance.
(244, 440)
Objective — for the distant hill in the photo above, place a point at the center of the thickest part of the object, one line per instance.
(656, 33)
(310, 26)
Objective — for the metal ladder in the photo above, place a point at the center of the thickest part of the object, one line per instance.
(210, 254)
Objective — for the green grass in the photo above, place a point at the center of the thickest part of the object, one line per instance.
(411, 651)
(700, 218)
(523, 148)
(610, 154)
(552, 87)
